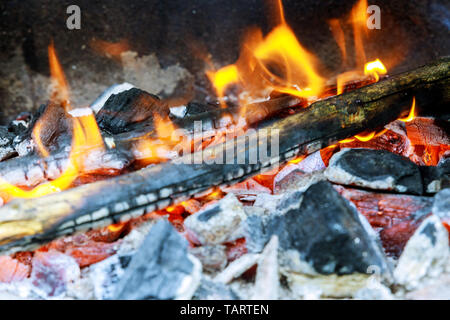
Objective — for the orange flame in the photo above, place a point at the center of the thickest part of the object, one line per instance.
(358, 18)
(154, 150)
(60, 90)
(412, 112)
(365, 137)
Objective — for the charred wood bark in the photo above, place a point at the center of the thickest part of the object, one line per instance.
(31, 170)
(29, 222)
(124, 111)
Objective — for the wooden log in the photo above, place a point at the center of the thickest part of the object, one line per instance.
(28, 222)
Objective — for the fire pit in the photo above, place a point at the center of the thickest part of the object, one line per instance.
(304, 154)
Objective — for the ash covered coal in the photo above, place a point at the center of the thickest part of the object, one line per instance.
(375, 169)
(161, 269)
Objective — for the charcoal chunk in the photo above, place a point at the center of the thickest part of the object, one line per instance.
(128, 110)
(195, 108)
(107, 273)
(161, 268)
(216, 223)
(375, 169)
(328, 233)
(114, 89)
(6, 141)
(436, 178)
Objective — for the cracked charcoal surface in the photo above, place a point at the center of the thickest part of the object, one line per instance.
(125, 111)
(159, 267)
(376, 169)
(328, 233)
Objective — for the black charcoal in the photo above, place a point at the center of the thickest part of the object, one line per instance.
(375, 169)
(129, 110)
(328, 233)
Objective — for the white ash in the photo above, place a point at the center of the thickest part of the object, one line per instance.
(212, 257)
(80, 112)
(6, 152)
(437, 289)
(312, 163)
(179, 111)
(425, 256)
(375, 290)
(236, 268)
(217, 223)
(105, 274)
(162, 268)
(267, 280)
(326, 286)
(296, 181)
(114, 89)
(25, 147)
(210, 290)
(134, 239)
(191, 282)
(267, 201)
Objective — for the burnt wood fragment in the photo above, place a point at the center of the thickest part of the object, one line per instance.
(127, 110)
(28, 222)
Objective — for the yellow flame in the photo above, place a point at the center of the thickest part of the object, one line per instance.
(365, 137)
(297, 160)
(412, 112)
(375, 68)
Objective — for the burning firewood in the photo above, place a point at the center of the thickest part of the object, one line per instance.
(30, 222)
